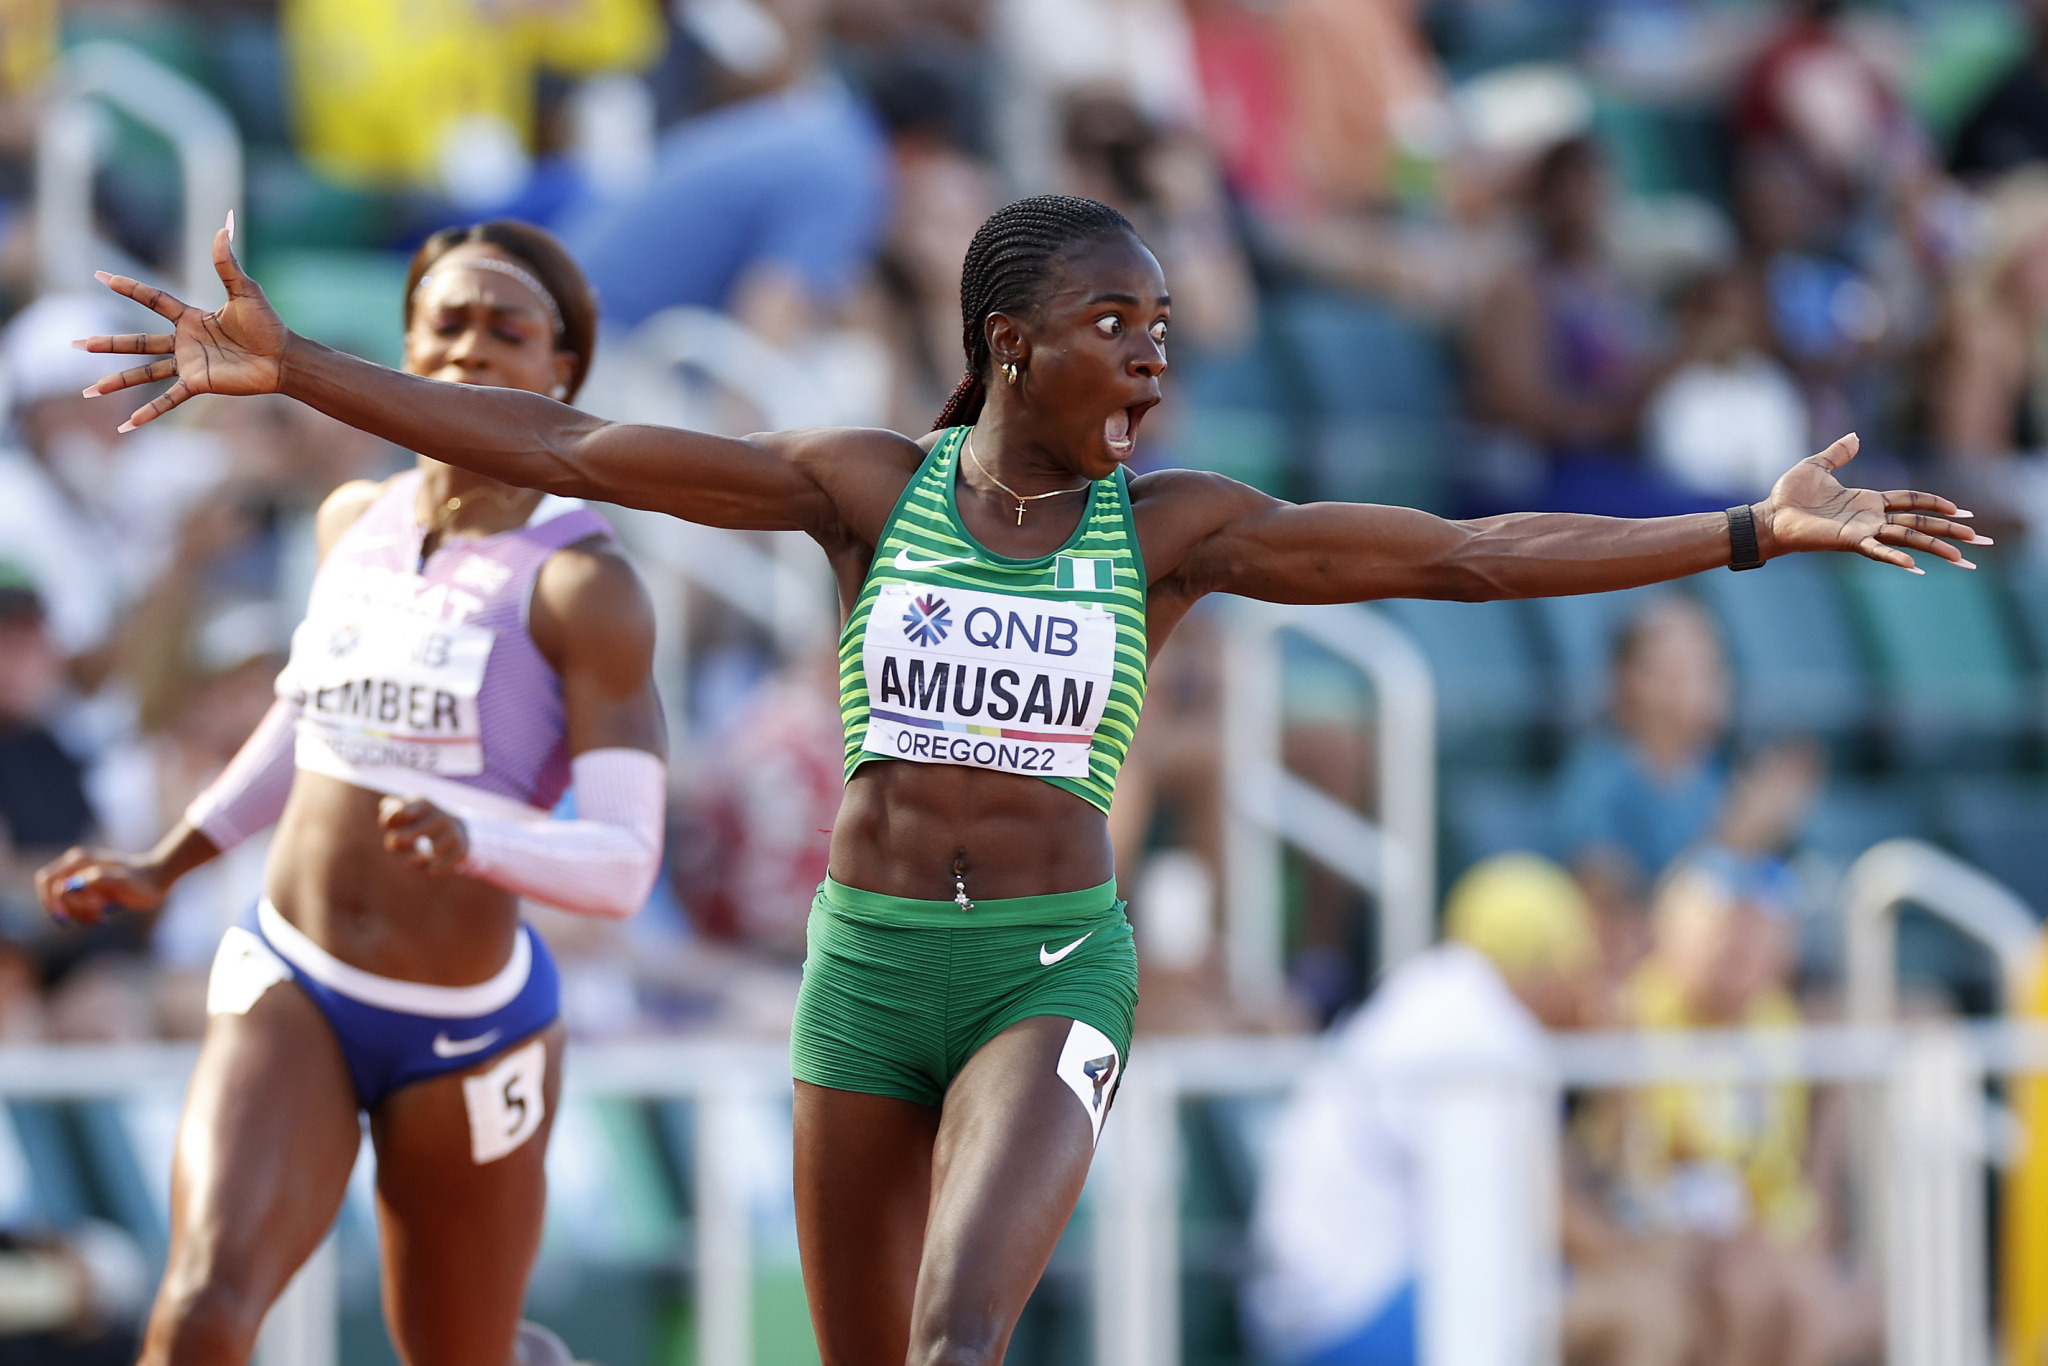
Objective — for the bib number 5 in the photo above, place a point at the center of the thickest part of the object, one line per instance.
(507, 1103)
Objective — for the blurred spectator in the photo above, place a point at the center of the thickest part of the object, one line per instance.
(1812, 88)
(1735, 1170)
(1564, 353)
(1729, 420)
(43, 807)
(760, 818)
(768, 207)
(1165, 182)
(441, 97)
(2009, 127)
(1988, 390)
(943, 192)
(1365, 87)
(1632, 799)
(1826, 315)
(96, 518)
(1344, 1227)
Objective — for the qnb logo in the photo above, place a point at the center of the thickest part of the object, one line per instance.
(928, 620)
(1099, 1071)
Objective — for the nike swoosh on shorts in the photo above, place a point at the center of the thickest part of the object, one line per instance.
(905, 563)
(1048, 959)
(445, 1047)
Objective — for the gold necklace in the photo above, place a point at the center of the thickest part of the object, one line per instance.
(1022, 498)
(437, 522)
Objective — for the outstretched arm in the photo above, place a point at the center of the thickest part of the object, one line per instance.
(509, 434)
(1347, 552)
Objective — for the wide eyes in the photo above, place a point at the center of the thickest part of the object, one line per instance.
(1110, 325)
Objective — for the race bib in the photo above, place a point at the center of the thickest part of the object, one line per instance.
(958, 676)
(381, 687)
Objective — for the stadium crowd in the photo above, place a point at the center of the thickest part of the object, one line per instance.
(1617, 256)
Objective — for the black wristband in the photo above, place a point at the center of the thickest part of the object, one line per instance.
(1742, 548)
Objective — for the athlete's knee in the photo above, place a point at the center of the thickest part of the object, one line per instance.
(973, 1342)
(201, 1321)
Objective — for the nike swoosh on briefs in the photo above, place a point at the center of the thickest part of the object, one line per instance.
(445, 1047)
(1048, 959)
(905, 562)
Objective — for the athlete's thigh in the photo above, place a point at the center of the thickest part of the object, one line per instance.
(265, 1145)
(863, 1188)
(459, 1235)
(1012, 1154)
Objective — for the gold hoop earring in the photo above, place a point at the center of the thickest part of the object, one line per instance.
(1010, 372)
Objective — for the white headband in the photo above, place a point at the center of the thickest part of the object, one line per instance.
(519, 273)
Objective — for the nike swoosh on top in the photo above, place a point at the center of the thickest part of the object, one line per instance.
(445, 1047)
(905, 563)
(1048, 959)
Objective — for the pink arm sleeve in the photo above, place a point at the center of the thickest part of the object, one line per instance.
(249, 795)
(604, 862)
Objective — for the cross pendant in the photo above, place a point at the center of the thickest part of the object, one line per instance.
(1020, 514)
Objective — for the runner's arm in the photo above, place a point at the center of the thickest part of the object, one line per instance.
(1232, 539)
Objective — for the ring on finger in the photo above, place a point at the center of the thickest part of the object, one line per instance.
(423, 846)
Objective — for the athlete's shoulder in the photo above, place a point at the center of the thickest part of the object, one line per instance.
(341, 509)
(590, 592)
(1174, 510)
(863, 471)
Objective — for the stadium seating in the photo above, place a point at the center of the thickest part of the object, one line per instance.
(1948, 666)
(1491, 690)
(1579, 634)
(1792, 649)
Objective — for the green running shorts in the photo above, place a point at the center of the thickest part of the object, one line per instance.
(898, 994)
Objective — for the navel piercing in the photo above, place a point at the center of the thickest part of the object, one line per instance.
(1010, 372)
(960, 897)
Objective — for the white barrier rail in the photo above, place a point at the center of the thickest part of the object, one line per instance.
(69, 145)
(1929, 1078)
(1266, 807)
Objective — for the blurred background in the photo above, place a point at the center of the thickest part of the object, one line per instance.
(1619, 256)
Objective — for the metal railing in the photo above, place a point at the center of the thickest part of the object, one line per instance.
(1489, 1295)
(1266, 807)
(72, 140)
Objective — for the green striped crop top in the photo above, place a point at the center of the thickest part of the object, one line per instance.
(957, 655)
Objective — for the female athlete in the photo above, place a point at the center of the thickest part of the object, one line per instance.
(471, 649)
(967, 1002)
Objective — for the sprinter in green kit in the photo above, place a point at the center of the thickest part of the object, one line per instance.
(966, 1008)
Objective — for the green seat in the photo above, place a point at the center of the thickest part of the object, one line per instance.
(1580, 633)
(1789, 638)
(2001, 825)
(1949, 668)
(350, 300)
(1495, 813)
(1489, 678)
(1246, 444)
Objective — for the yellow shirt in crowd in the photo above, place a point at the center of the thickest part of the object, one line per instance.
(1759, 1132)
(378, 84)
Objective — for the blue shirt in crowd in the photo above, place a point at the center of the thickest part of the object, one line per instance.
(799, 179)
(1610, 802)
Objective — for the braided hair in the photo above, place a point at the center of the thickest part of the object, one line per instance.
(1008, 269)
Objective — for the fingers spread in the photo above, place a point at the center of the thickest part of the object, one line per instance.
(1894, 534)
(1912, 500)
(1939, 526)
(131, 344)
(1877, 550)
(1841, 453)
(224, 263)
(141, 374)
(149, 296)
(151, 411)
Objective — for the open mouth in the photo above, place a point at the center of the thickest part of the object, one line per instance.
(1120, 429)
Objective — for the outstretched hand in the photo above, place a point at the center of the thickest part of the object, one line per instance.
(236, 349)
(1810, 509)
(84, 886)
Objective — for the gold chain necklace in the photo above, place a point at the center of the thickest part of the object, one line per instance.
(1022, 498)
(437, 522)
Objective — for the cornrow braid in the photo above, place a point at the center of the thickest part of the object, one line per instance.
(1009, 270)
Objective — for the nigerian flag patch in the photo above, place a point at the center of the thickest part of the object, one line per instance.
(1083, 574)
